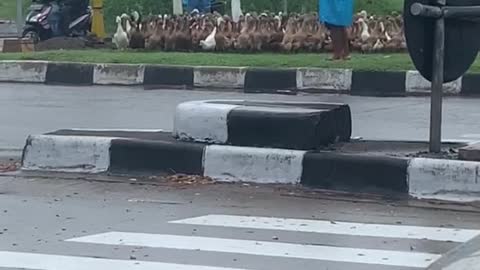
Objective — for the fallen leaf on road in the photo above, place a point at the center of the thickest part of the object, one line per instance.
(9, 167)
(185, 180)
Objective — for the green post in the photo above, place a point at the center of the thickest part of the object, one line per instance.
(19, 21)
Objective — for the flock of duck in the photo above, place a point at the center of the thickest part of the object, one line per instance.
(254, 33)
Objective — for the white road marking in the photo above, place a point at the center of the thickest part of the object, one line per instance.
(329, 227)
(262, 248)
(471, 136)
(57, 262)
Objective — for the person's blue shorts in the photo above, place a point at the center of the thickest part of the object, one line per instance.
(336, 12)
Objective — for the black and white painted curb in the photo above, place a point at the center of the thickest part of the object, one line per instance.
(286, 125)
(240, 79)
(155, 151)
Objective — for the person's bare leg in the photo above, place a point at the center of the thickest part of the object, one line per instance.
(337, 43)
(346, 45)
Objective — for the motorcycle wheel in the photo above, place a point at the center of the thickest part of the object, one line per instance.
(31, 34)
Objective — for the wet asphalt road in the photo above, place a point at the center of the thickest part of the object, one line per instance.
(37, 215)
(32, 109)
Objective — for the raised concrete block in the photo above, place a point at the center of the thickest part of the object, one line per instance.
(291, 125)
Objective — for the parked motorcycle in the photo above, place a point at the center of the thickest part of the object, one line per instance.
(45, 20)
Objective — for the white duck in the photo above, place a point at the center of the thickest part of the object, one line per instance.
(365, 35)
(136, 17)
(378, 46)
(165, 19)
(128, 26)
(384, 32)
(363, 14)
(209, 43)
(120, 39)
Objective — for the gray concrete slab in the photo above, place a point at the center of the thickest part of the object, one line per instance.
(463, 257)
(470, 152)
(32, 109)
(8, 29)
(37, 215)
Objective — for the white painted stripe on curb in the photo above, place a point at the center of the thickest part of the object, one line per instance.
(337, 228)
(252, 164)
(414, 82)
(324, 79)
(428, 177)
(263, 248)
(221, 77)
(19, 71)
(67, 153)
(202, 121)
(116, 74)
(22, 260)
(117, 130)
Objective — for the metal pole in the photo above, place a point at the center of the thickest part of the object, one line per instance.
(285, 6)
(177, 7)
(98, 23)
(429, 11)
(437, 84)
(19, 21)
(236, 10)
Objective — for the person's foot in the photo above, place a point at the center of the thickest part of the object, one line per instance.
(334, 58)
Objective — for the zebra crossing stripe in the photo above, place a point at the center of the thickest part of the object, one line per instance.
(21, 260)
(263, 248)
(329, 227)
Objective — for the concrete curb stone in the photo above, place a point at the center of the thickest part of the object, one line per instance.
(339, 171)
(415, 83)
(31, 72)
(69, 73)
(219, 77)
(156, 75)
(107, 74)
(434, 176)
(385, 83)
(99, 151)
(248, 80)
(262, 80)
(155, 156)
(471, 84)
